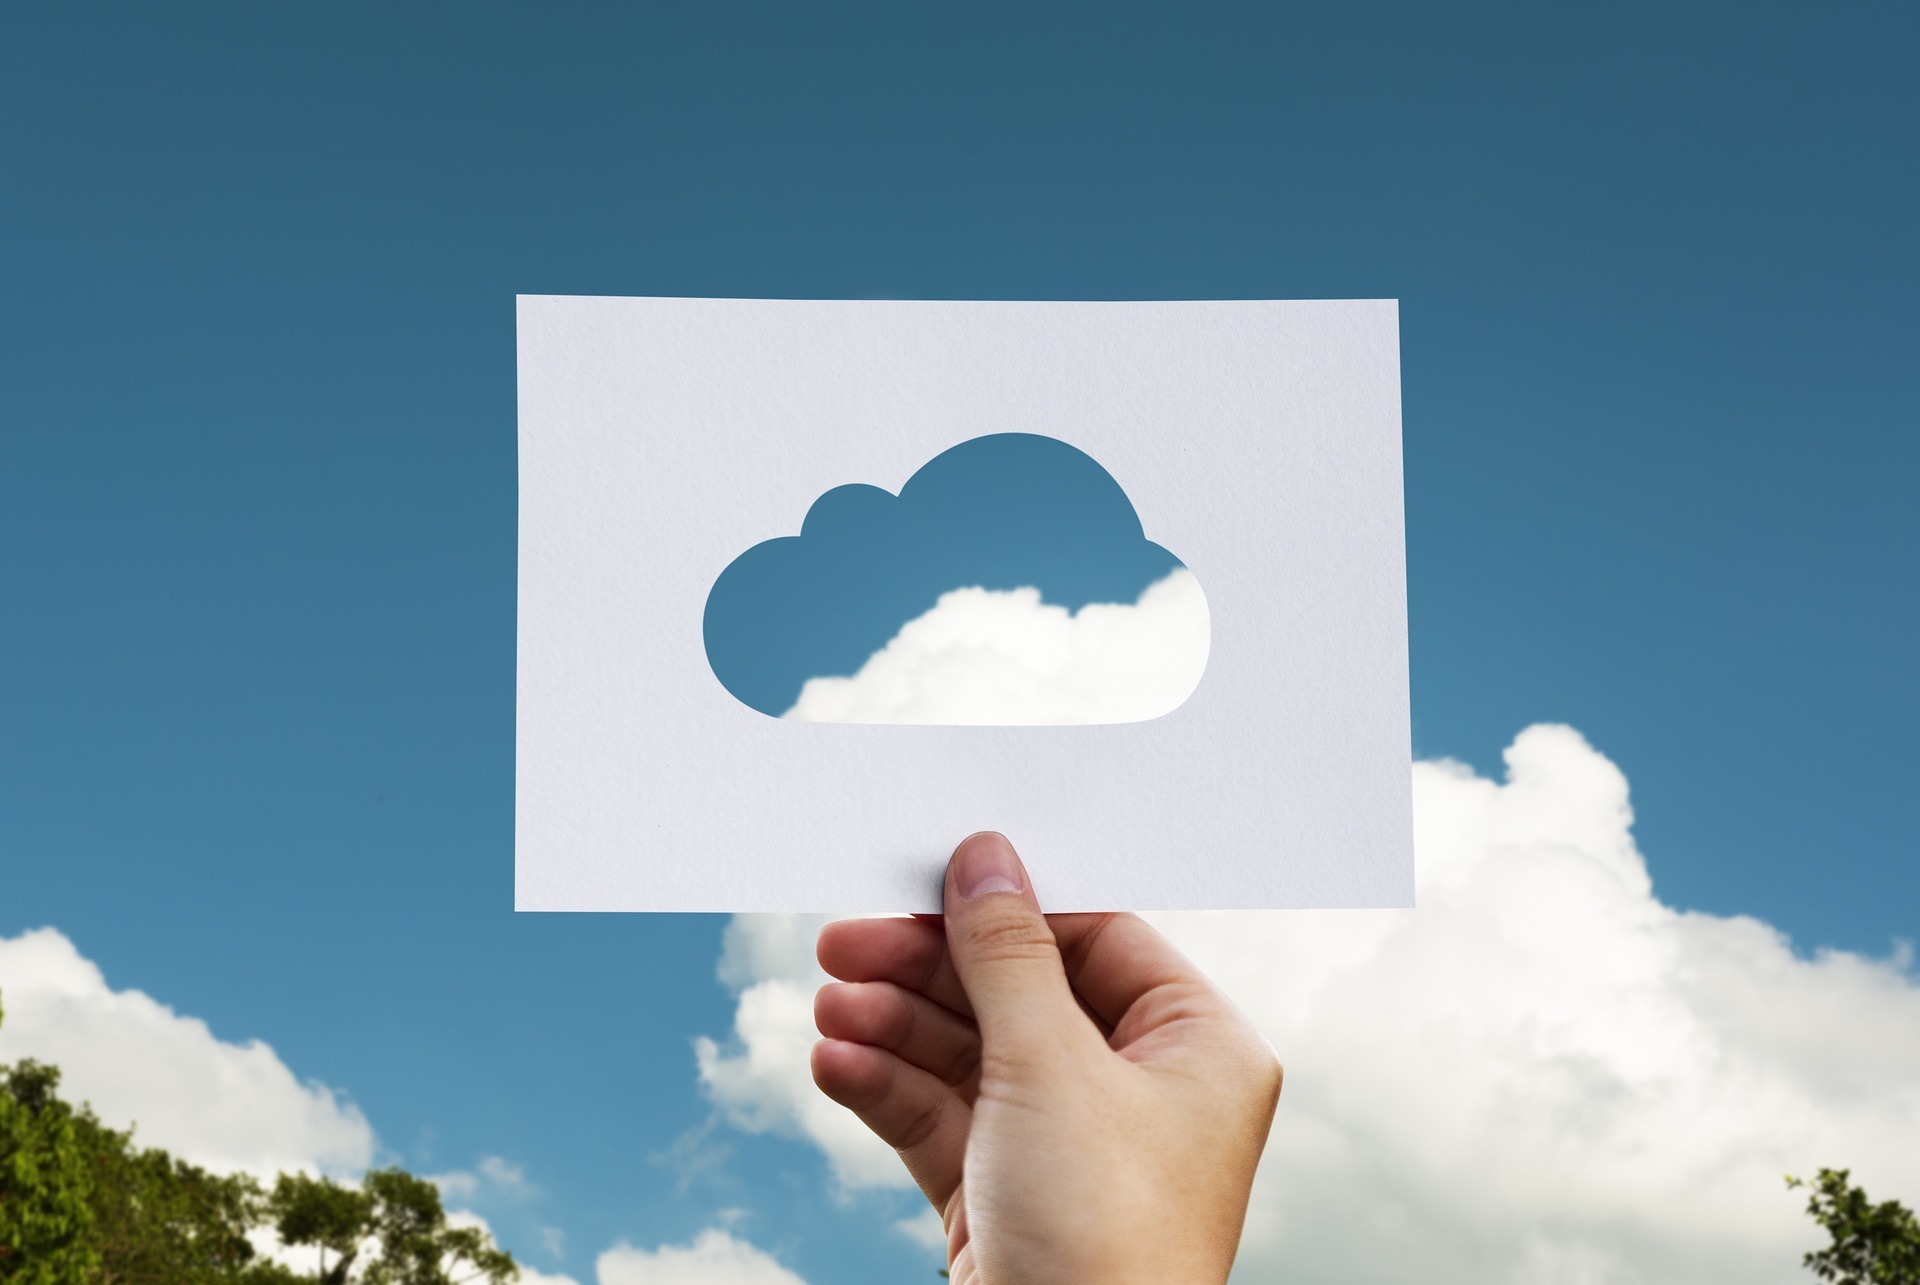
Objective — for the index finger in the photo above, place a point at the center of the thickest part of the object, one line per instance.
(907, 952)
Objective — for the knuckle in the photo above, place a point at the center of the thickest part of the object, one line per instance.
(1270, 1075)
(917, 1127)
(964, 1064)
(1011, 937)
(1081, 949)
(896, 1026)
(1005, 1063)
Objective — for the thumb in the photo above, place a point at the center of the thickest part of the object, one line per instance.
(1004, 952)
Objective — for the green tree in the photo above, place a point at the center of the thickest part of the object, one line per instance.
(46, 1210)
(80, 1204)
(319, 1214)
(393, 1228)
(162, 1221)
(1872, 1244)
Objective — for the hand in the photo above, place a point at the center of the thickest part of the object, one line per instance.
(1077, 1101)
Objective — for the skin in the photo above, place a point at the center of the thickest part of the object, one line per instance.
(1078, 1101)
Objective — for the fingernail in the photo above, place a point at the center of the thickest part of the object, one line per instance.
(985, 863)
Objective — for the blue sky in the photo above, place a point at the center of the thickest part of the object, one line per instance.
(1656, 267)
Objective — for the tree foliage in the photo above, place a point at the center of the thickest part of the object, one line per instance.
(47, 1222)
(81, 1204)
(392, 1230)
(1872, 1244)
(161, 1221)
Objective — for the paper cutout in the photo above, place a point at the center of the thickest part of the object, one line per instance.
(1010, 582)
(661, 438)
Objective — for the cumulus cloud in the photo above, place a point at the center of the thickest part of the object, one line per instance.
(1004, 657)
(1000, 512)
(1543, 1074)
(715, 1257)
(767, 960)
(223, 1105)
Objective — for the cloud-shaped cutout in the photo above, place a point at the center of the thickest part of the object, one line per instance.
(999, 547)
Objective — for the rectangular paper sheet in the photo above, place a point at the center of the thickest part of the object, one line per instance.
(661, 438)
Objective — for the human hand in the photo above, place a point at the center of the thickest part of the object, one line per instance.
(1076, 1100)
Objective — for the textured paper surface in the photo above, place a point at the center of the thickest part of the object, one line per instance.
(660, 438)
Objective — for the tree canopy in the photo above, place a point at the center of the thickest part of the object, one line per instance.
(1873, 1244)
(82, 1204)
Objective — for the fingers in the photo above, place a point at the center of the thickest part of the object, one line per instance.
(908, 1108)
(1118, 966)
(1004, 953)
(921, 1032)
(907, 952)
(1116, 963)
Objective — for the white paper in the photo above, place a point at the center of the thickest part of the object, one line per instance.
(661, 438)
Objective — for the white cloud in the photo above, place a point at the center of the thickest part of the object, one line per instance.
(225, 1106)
(495, 1175)
(714, 1258)
(1543, 1074)
(457, 1185)
(926, 1230)
(755, 1084)
(1005, 657)
(505, 1174)
(528, 1275)
(532, 1276)
(769, 961)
